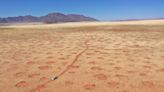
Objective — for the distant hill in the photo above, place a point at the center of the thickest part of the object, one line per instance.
(49, 18)
(140, 19)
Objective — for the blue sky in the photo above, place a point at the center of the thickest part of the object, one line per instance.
(100, 9)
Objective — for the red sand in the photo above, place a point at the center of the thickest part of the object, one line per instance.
(89, 59)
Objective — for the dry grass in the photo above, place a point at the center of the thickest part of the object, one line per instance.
(86, 57)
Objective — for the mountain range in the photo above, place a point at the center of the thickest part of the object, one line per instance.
(49, 18)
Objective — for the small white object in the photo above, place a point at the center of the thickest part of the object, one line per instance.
(54, 78)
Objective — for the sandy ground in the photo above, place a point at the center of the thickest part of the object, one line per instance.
(105, 57)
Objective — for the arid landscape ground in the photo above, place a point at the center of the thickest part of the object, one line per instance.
(86, 57)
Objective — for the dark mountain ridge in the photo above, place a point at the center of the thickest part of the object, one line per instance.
(49, 18)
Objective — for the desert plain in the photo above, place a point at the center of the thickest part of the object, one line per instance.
(83, 57)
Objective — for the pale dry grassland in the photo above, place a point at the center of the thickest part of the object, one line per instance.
(86, 57)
